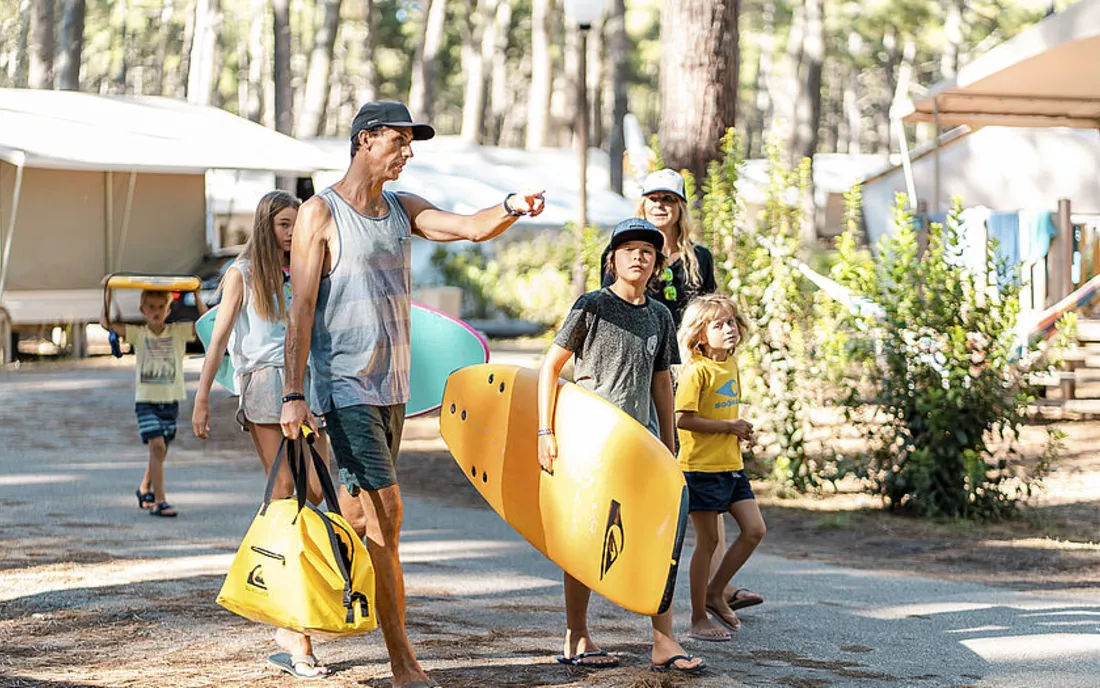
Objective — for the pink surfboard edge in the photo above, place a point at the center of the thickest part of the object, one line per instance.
(475, 333)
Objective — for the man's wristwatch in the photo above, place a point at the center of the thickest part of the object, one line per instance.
(294, 396)
(510, 210)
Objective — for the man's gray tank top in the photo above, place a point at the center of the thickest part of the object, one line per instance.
(360, 347)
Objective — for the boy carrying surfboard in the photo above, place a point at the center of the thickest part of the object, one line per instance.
(711, 432)
(158, 385)
(623, 343)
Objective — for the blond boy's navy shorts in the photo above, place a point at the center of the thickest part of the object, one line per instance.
(157, 420)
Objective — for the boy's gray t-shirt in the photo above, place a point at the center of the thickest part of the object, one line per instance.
(617, 346)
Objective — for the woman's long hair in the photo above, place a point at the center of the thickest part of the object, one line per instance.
(265, 257)
(700, 312)
(685, 243)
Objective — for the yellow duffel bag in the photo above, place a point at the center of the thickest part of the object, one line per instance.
(299, 567)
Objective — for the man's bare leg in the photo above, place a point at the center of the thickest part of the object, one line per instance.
(382, 511)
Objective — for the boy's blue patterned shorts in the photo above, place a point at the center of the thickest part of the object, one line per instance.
(157, 420)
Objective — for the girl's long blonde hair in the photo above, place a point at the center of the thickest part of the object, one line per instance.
(265, 257)
(685, 242)
(701, 311)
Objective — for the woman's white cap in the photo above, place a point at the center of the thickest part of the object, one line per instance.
(664, 180)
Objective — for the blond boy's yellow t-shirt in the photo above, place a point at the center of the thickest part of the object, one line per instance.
(712, 390)
(159, 370)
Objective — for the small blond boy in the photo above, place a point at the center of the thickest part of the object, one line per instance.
(158, 387)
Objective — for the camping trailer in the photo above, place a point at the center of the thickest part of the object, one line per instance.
(93, 184)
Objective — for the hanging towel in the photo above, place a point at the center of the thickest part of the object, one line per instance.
(1036, 231)
(1005, 228)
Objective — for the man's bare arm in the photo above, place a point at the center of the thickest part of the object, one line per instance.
(434, 224)
(307, 260)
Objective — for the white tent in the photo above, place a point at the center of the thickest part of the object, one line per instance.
(1046, 76)
(94, 184)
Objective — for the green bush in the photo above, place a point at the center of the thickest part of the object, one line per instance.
(945, 378)
(527, 278)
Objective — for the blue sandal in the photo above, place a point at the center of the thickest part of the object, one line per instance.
(146, 500)
(160, 509)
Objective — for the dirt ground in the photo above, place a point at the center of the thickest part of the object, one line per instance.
(142, 634)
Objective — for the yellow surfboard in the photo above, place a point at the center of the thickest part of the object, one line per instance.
(614, 512)
(127, 280)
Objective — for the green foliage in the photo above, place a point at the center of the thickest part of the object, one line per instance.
(753, 263)
(946, 382)
(528, 279)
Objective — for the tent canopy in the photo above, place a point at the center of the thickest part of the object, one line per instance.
(1047, 76)
(83, 131)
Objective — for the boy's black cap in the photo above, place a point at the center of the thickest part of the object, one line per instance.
(387, 113)
(636, 229)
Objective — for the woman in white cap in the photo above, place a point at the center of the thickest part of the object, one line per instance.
(689, 267)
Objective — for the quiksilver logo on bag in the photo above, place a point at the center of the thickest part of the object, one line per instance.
(256, 578)
(613, 538)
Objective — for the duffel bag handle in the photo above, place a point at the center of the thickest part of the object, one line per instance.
(294, 451)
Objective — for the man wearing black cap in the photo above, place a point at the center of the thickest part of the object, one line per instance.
(349, 316)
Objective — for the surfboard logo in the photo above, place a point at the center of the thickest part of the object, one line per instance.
(613, 538)
(256, 577)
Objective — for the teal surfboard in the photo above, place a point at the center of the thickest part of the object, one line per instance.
(440, 345)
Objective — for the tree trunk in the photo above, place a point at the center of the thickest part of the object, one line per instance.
(120, 16)
(538, 101)
(616, 30)
(72, 45)
(369, 91)
(284, 95)
(201, 74)
(562, 125)
(500, 100)
(698, 83)
(764, 102)
(40, 46)
(164, 31)
(807, 112)
(320, 70)
(953, 30)
(254, 106)
(597, 52)
(421, 92)
(853, 116)
(479, 42)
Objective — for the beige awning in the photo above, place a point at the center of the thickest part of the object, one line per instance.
(1047, 76)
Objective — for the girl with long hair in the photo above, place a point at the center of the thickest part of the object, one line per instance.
(251, 323)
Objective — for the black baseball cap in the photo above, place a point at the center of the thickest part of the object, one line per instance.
(636, 229)
(387, 113)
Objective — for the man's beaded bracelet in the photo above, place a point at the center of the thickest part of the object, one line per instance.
(546, 432)
(510, 210)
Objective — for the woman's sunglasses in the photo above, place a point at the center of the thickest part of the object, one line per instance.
(670, 288)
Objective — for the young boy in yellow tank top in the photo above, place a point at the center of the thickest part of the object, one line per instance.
(711, 431)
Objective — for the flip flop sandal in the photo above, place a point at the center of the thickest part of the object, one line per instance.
(670, 665)
(146, 500)
(159, 510)
(283, 661)
(736, 602)
(711, 638)
(578, 660)
(718, 617)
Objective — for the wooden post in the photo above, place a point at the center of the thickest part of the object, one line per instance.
(1062, 248)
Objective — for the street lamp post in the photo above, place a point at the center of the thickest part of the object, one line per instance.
(584, 13)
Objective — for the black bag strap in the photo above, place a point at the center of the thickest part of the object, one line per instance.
(294, 453)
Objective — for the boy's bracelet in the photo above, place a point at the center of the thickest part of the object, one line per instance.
(294, 396)
(546, 432)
